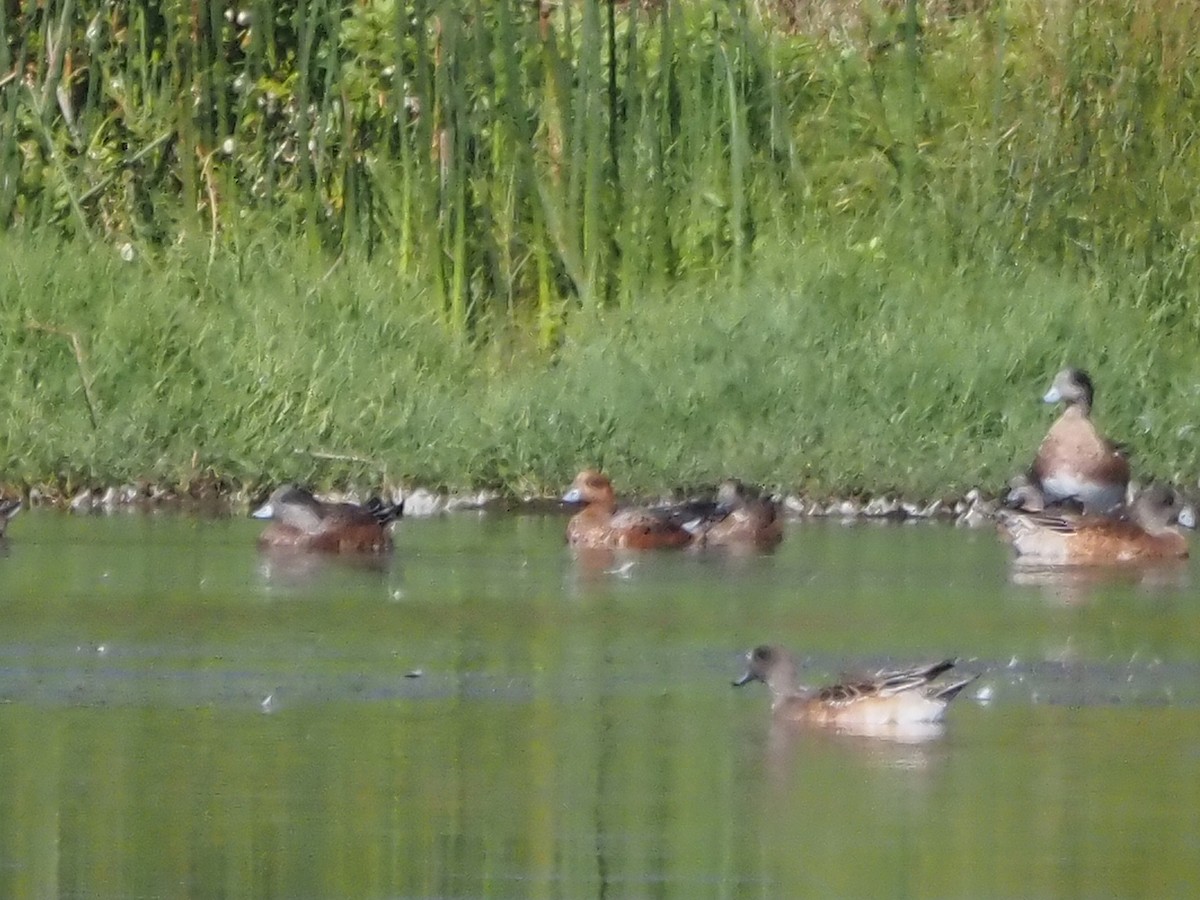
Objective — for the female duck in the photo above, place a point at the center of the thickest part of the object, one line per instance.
(601, 525)
(302, 522)
(1074, 459)
(739, 520)
(1146, 534)
(904, 697)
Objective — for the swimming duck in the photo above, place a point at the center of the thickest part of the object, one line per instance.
(302, 522)
(1146, 533)
(601, 525)
(739, 519)
(1074, 460)
(8, 509)
(887, 698)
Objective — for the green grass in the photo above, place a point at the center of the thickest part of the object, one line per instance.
(448, 243)
(828, 370)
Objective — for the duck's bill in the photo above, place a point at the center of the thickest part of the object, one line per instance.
(574, 495)
(266, 511)
(1052, 396)
(746, 678)
(1187, 516)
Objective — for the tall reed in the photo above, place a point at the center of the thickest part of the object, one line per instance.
(518, 160)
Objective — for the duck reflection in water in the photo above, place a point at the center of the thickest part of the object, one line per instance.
(297, 568)
(791, 748)
(1079, 585)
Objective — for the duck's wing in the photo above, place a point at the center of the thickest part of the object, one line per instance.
(646, 518)
(1020, 522)
(688, 513)
(895, 681)
(1120, 527)
(885, 683)
(342, 515)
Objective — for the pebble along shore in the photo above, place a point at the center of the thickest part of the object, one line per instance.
(974, 509)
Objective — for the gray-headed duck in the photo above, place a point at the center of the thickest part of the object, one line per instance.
(739, 519)
(1146, 533)
(1074, 460)
(601, 525)
(299, 521)
(887, 698)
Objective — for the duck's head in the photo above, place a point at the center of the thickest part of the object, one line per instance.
(1071, 386)
(773, 666)
(590, 486)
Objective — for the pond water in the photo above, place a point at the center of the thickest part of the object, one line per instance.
(492, 716)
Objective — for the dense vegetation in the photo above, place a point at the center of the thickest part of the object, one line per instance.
(484, 243)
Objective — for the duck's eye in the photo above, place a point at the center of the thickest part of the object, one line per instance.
(762, 654)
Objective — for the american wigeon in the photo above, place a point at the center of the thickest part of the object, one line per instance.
(601, 525)
(302, 522)
(739, 519)
(1074, 460)
(888, 698)
(8, 509)
(1146, 533)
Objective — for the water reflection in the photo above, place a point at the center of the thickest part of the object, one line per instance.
(166, 729)
(591, 566)
(1077, 585)
(862, 738)
(599, 563)
(893, 745)
(295, 568)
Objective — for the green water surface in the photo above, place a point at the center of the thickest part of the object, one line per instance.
(492, 716)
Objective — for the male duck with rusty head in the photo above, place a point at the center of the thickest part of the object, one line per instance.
(601, 525)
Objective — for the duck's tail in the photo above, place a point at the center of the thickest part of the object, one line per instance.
(384, 512)
(948, 692)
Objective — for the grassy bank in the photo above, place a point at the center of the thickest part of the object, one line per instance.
(484, 244)
(825, 372)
